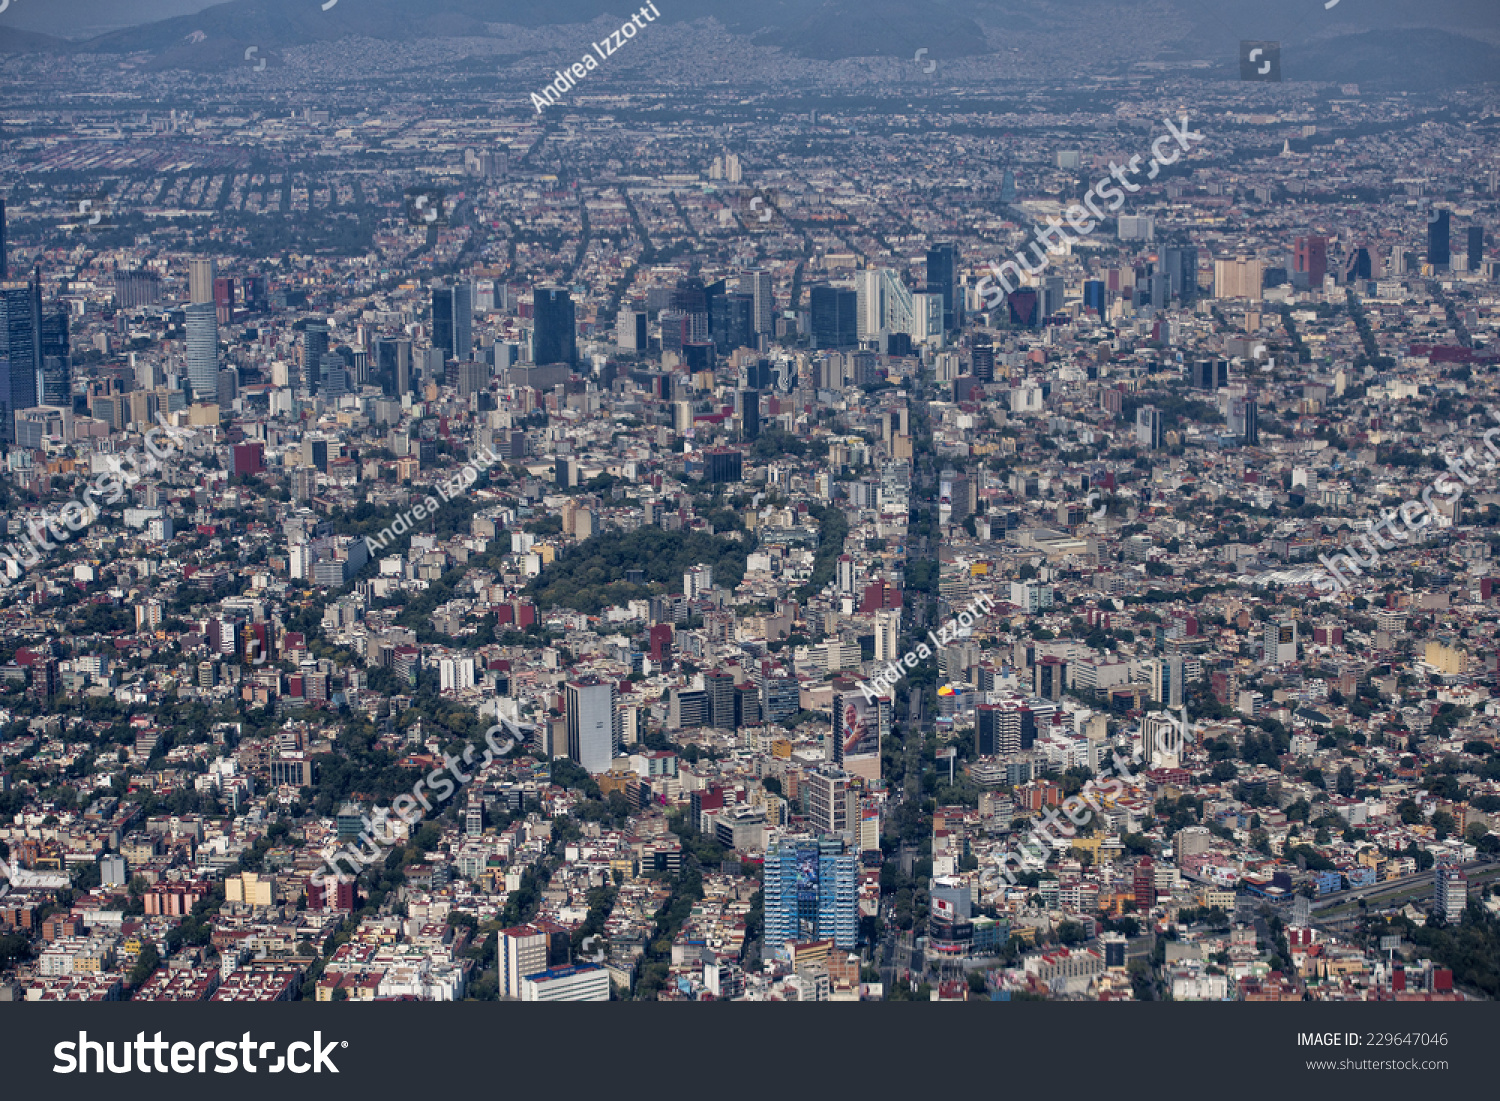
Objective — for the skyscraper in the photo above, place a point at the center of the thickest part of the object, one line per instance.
(4, 248)
(1437, 240)
(314, 348)
(1148, 426)
(630, 331)
(833, 317)
(201, 281)
(1476, 247)
(1179, 263)
(203, 351)
(811, 893)
(20, 350)
(731, 321)
(1093, 295)
(453, 320)
(765, 300)
(983, 358)
(555, 339)
(1310, 259)
(592, 735)
(942, 279)
(57, 361)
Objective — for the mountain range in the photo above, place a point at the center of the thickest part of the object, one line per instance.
(1377, 43)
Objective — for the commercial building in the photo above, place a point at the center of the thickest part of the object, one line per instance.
(811, 893)
(592, 726)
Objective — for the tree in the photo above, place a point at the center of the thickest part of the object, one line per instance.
(145, 964)
(1345, 783)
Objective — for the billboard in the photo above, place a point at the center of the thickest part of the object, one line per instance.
(858, 724)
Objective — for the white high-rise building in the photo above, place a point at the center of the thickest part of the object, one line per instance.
(455, 674)
(593, 735)
(522, 951)
(203, 351)
(698, 581)
(765, 299)
(887, 635)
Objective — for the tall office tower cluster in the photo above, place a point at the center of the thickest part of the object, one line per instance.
(453, 320)
(555, 338)
(35, 358)
(202, 332)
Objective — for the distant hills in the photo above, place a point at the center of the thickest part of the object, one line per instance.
(1376, 43)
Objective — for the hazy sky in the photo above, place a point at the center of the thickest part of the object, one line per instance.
(84, 18)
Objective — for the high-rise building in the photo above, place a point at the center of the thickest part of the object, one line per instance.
(1210, 374)
(630, 331)
(203, 351)
(201, 281)
(555, 339)
(453, 320)
(1179, 263)
(1093, 295)
(750, 414)
(942, 279)
(1025, 307)
(591, 724)
(1239, 278)
(888, 635)
(731, 321)
(760, 289)
(811, 893)
(57, 361)
(1148, 426)
(860, 727)
(314, 348)
(4, 246)
(20, 349)
(1437, 239)
(982, 357)
(1281, 642)
(1476, 247)
(522, 951)
(1450, 892)
(1166, 680)
(833, 317)
(393, 366)
(1310, 260)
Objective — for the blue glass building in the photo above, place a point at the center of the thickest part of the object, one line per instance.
(811, 893)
